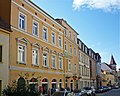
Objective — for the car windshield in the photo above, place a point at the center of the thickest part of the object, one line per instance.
(100, 87)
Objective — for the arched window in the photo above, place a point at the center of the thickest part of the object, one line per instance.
(34, 84)
(45, 85)
(21, 85)
(60, 83)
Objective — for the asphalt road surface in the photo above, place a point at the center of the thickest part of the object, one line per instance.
(113, 92)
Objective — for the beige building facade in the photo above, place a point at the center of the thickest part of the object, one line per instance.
(4, 58)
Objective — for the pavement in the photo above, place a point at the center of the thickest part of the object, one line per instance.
(113, 92)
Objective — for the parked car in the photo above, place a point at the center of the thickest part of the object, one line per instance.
(100, 89)
(105, 88)
(89, 91)
(62, 93)
(79, 92)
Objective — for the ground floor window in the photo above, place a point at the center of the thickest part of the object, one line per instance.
(21, 85)
(45, 86)
(76, 84)
(54, 85)
(66, 83)
(60, 83)
(71, 85)
(34, 85)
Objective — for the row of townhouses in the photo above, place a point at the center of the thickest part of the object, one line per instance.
(37, 49)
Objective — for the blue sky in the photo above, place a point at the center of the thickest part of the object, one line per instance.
(96, 21)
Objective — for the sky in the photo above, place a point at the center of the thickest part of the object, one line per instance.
(96, 21)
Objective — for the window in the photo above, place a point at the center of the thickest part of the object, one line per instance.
(45, 34)
(21, 53)
(0, 53)
(74, 38)
(65, 46)
(60, 41)
(35, 28)
(53, 62)
(69, 65)
(70, 49)
(35, 57)
(22, 21)
(45, 59)
(70, 35)
(75, 68)
(79, 56)
(74, 51)
(60, 63)
(53, 37)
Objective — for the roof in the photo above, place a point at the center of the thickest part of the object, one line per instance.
(105, 67)
(112, 61)
(60, 21)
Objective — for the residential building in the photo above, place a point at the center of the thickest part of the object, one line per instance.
(98, 70)
(108, 77)
(42, 51)
(70, 56)
(93, 67)
(4, 43)
(36, 47)
(84, 66)
(118, 74)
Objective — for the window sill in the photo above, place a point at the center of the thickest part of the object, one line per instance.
(35, 65)
(60, 69)
(36, 36)
(21, 63)
(45, 67)
(54, 68)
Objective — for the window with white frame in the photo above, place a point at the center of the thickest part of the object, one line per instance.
(69, 65)
(60, 41)
(65, 45)
(53, 38)
(35, 28)
(53, 61)
(74, 51)
(22, 21)
(45, 59)
(60, 63)
(21, 53)
(35, 56)
(70, 49)
(45, 34)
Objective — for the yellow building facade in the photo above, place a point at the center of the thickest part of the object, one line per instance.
(70, 56)
(36, 46)
(108, 79)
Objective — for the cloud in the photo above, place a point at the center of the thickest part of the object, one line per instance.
(106, 5)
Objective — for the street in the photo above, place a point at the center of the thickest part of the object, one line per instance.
(113, 92)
